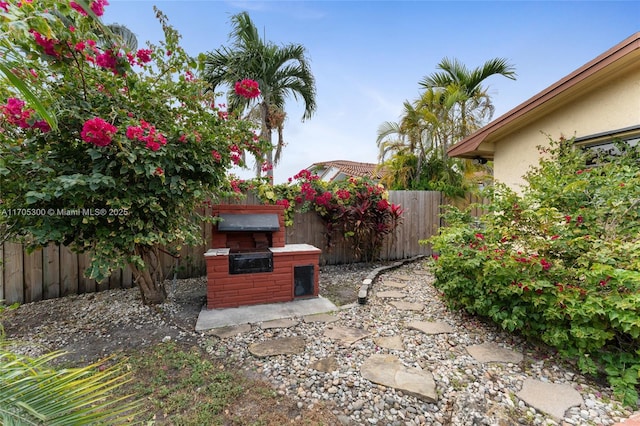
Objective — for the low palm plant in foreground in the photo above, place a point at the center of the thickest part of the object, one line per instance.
(34, 393)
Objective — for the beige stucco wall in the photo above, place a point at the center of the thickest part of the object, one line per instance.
(610, 106)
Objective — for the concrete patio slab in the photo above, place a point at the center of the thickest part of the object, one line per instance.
(214, 318)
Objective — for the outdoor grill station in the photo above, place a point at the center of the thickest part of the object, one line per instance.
(250, 263)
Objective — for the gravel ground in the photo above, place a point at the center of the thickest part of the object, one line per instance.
(470, 393)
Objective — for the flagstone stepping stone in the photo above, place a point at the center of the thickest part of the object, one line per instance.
(326, 318)
(402, 277)
(230, 331)
(491, 352)
(282, 346)
(388, 370)
(390, 342)
(391, 294)
(428, 327)
(346, 334)
(326, 365)
(278, 323)
(554, 399)
(407, 306)
(394, 284)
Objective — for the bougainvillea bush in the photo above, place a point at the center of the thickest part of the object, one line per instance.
(559, 263)
(138, 146)
(356, 209)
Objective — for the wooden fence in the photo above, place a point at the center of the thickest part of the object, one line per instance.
(56, 271)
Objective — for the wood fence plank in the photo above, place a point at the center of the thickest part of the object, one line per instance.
(115, 279)
(55, 265)
(68, 272)
(85, 285)
(13, 273)
(127, 277)
(33, 276)
(51, 271)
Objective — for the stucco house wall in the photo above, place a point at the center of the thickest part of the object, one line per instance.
(611, 106)
(601, 99)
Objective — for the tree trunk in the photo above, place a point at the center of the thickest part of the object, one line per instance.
(266, 133)
(150, 279)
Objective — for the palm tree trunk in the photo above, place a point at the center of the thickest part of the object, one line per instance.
(149, 279)
(266, 134)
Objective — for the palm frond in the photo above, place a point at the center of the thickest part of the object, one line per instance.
(33, 393)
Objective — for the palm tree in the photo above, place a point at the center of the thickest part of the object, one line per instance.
(121, 34)
(280, 71)
(464, 89)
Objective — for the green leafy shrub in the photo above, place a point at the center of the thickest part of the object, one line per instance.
(139, 144)
(559, 263)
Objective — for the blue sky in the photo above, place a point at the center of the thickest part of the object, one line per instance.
(368, 56)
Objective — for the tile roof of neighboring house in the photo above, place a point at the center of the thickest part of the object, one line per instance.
(348, 168)
(619, 57)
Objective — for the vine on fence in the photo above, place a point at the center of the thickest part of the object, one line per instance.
(357, 209)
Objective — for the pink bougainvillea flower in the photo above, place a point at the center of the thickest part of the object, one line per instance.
(97, 6)
(98, 132)
(216, 156)
(14, 113)
(42, 125)
(545, 264)
(107, 60)
(144, 56)
(4, 5)
(148, 134)
(47, 44)
(283, 202)
(134, 132)
(247, 88)
(343, 194)
(159, 171)
(480, 236)
(75, 6)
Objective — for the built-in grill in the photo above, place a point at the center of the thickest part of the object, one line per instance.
(250, 222)
(249, 262)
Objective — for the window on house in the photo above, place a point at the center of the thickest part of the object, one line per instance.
(608, 144)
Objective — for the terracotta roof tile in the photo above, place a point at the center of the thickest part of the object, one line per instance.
(349, 168)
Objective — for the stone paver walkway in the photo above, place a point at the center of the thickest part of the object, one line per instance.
(388, 370)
